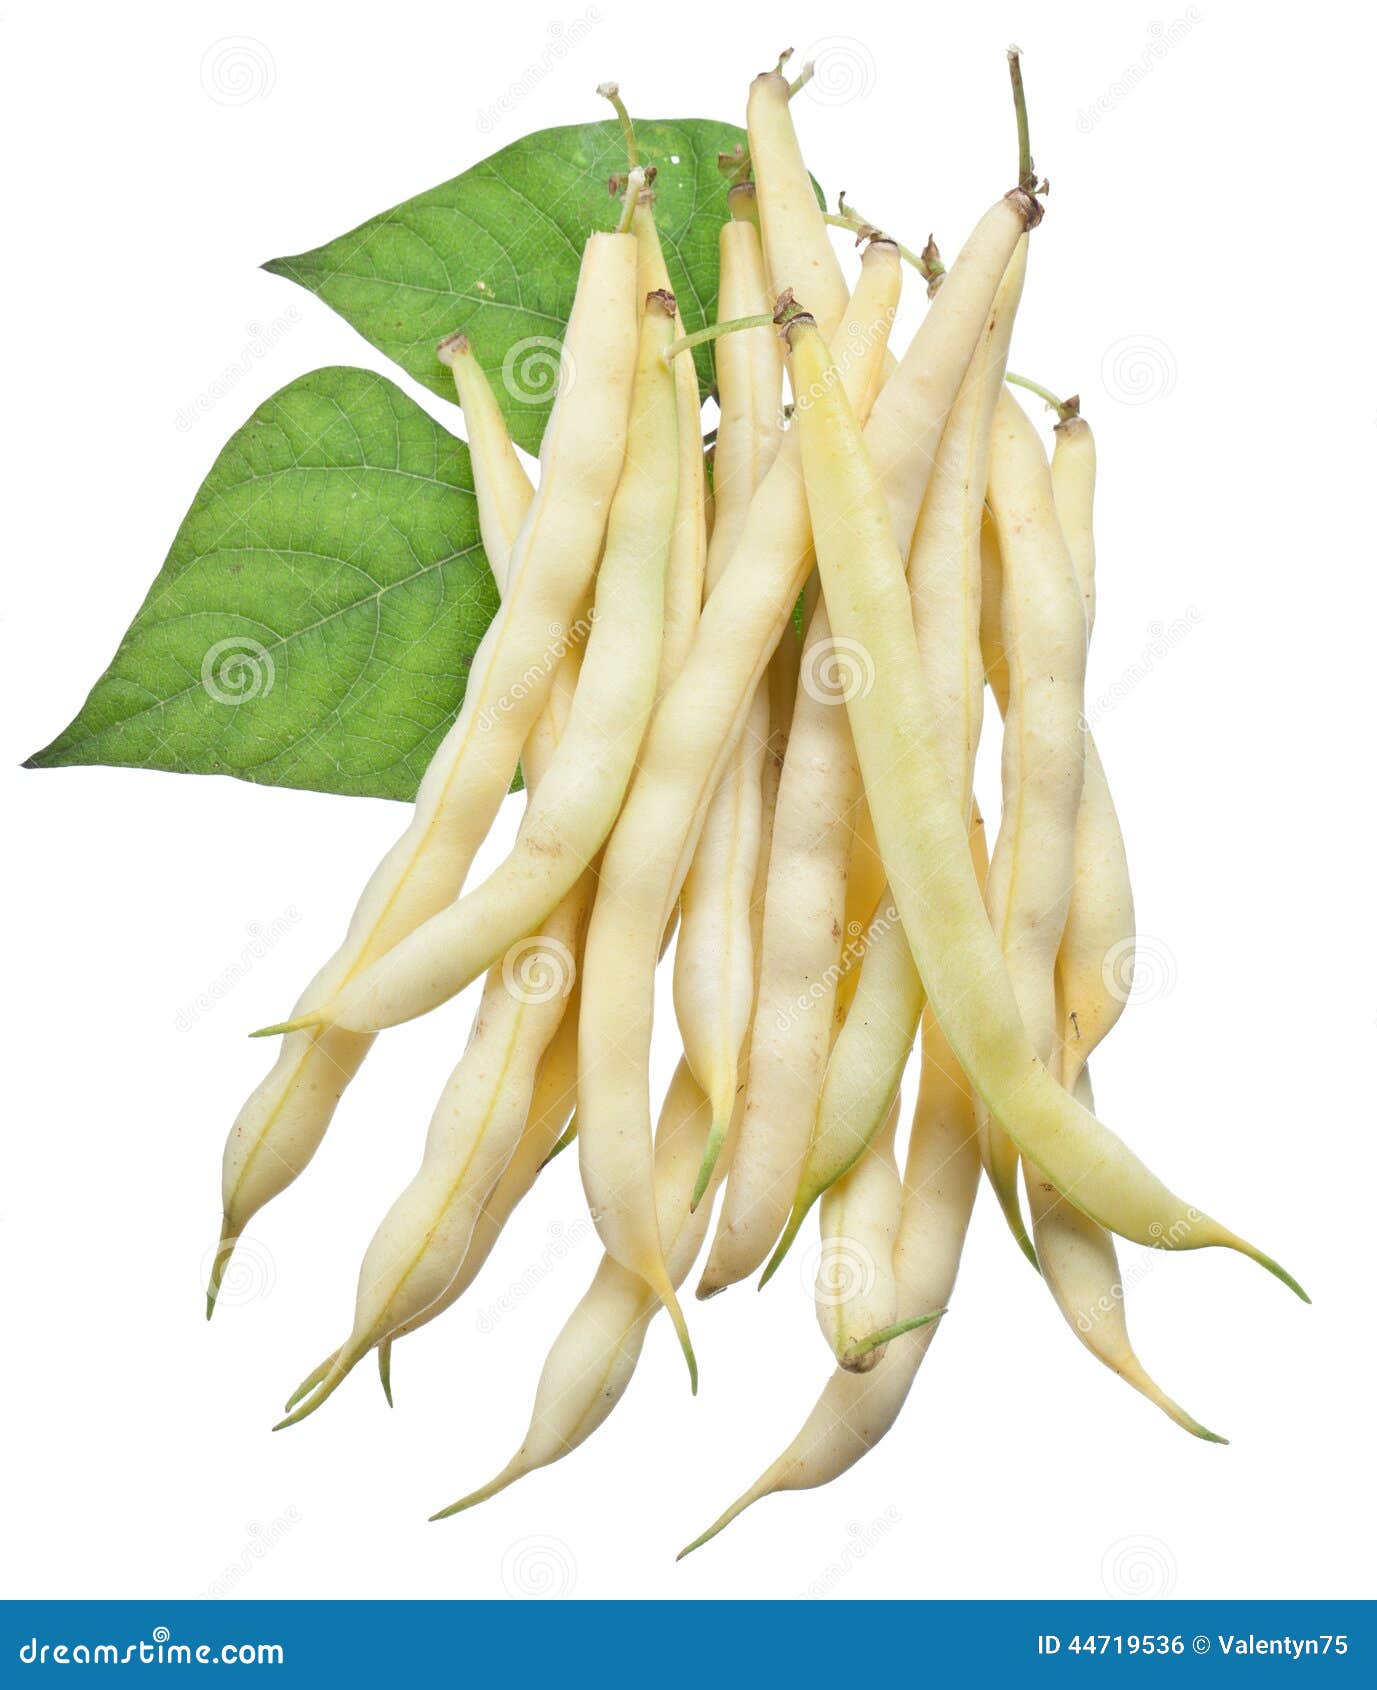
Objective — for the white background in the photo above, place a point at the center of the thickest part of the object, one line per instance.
(1208, 238)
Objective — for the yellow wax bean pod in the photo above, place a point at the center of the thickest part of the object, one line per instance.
(595, 1355)
(1042, 624)
(713, 962)
(552, 1104)
(684, 574)
(798, 251)
(697, 720)
(814, 816)
(944, 579)
(581, 791)
(1077, 1257)
(805, 899)
(501, 485)
(856, 1294)
(856, 1410)
(552, 1107)
(921, 832)
(422, 1242)
(280, 1127)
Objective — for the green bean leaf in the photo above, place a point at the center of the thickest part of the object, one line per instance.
(495, 252)
(315, 619)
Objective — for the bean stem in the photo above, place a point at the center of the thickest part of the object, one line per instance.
(887, 1334)
(714, 331)
(928, 263)
(635, 181)
(1065, 408)
(612, 94)
(1027, 178)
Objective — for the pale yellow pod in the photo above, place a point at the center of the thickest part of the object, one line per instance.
(685, 571)
(856, 1410)
(1096, 948)
(798, 251)
(281, 1125)
(944, 578)
(992, 654)
(921, 833)
(805, 900)
(713, 962)
(581, 790)
(595, 1355)
(552, 1107)
(1077, 1257)
(422, 1242)
(1043, 763)
(856, 1294)
(699, 717)
(1073, 486)
(750, 375)
(501, 486)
